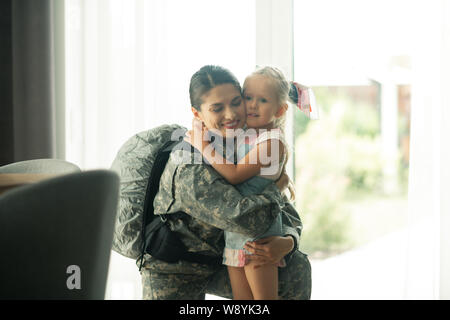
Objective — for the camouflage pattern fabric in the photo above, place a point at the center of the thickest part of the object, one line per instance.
(191, 281)
(133, 163)
(211, 206)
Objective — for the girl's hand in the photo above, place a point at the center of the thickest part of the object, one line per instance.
(195, 136)
(188, 136)
(268, 250)
(197, 125)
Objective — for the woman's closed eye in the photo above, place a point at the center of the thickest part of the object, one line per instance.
(217, 109)
(236, 103)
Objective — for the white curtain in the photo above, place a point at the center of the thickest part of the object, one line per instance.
(128, 67)
(129, 63)
(428, 257)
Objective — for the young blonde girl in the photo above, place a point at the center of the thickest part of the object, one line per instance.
(261, 155)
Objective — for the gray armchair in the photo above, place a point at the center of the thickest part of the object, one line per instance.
(40, 166)
(56, 237)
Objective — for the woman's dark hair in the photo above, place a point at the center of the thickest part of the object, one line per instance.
(207, 78)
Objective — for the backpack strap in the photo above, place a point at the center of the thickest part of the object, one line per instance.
(201, 258)
(158, 167)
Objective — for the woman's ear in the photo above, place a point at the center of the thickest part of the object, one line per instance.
(281, 110)
(196, 113)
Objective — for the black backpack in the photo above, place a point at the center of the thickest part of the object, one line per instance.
(140, 163)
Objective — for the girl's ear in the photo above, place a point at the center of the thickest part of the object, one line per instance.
(281, 110)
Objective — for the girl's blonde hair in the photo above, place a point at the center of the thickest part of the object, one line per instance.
(283, 89)
(281, 85)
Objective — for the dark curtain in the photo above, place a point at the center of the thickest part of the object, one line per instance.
(28, 114)
(6, 96)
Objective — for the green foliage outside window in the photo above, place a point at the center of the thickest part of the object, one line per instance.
(335, 157)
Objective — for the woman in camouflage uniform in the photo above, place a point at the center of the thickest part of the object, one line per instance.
(213, 205)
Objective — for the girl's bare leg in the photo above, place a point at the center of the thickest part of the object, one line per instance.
(263, 281)
(239, 285)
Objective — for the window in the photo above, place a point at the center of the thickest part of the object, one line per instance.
(359, 58)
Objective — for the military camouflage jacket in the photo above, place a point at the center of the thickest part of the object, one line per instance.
(212, 205)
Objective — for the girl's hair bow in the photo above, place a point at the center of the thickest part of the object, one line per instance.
(305, 100)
